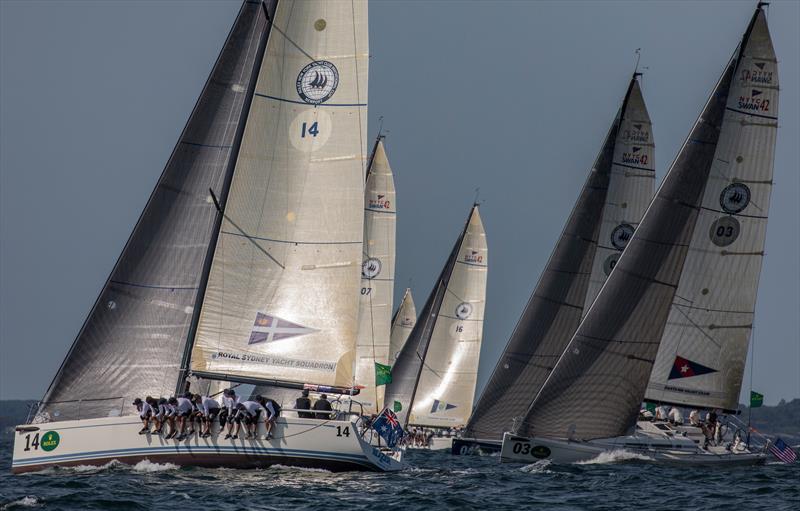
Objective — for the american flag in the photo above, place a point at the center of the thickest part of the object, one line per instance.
(783, 452)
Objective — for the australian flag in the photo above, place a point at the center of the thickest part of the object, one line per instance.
(388, 427)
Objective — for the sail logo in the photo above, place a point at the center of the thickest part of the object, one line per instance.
(317, 82)
(380, 202)
(635, 157)
(756, 76)
(754, 102)
(734, 198)
(685, 368)
(267, 329)
(464, 310)
(407, 322)
(636, 134)
(473, 256)
(620, 236)
(371, 268)
(441, 406)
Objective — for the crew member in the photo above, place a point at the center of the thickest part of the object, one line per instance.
(172, 413)
(209, 410)
(229, 402)
(273, 409)
(694, 417)
(145, 413)
(250, 413)
(675, 416)
(324, 405)
(183, 411)
(304, 403)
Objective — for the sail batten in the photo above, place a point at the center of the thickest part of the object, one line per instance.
(605, 214)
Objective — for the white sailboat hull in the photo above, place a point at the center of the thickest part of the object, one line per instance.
(518, 449)
(327, 444)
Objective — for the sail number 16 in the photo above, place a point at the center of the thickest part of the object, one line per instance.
(312, 130)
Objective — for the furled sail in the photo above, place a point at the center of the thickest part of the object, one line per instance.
(405, 317)
(439, 361)
(133, 339)
(703, 351)
(613, 200)
(599, 382)
(281, 302)
(377, 277)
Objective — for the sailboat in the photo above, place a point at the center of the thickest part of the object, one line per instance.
(403, 321)
(681, 296)
(377, 278)
(613, 199)
(434, 377)
(244, 265)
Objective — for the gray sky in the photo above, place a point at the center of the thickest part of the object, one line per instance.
(511, 97)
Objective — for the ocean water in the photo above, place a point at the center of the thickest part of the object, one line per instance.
(435, 480)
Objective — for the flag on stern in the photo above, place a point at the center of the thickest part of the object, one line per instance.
(783, 452)
(388, 427)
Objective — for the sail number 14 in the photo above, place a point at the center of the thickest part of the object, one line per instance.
(312, 130)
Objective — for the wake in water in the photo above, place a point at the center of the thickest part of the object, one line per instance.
(540, 467)
(28, 501)
(615, 456)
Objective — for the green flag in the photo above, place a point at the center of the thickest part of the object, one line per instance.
(383, 374)
(756, 399)
(650, 407)
(397, 406)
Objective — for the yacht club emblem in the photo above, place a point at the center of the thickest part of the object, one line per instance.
(371, 267)
(734, 198)
(269, 329)
(464, 310)
(317, 82)
(621, 235)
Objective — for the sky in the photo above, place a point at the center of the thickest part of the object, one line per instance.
(513, 98)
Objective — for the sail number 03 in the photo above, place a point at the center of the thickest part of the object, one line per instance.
(312, 130)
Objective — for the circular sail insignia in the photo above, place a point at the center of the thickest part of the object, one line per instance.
(464, 310)
(724, 231)
(734, 198)
(621, 235)
(371, 268)
(317, 82)
(610, 262)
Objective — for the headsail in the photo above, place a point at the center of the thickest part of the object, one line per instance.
(613, 200)
(282, 301)
(452, 319)
(597, 386)
(712, 314)
(133, 339)
(405, 317)
(377, 277)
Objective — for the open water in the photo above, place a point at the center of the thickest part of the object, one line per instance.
(436, 480)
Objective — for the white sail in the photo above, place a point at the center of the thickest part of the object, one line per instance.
(404, 320)
(703, 351)
(629, 189)
(282, 300)
(377, 278)
(446, 387)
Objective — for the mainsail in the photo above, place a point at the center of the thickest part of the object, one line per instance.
(133, 339)
(711, 318)
(613, 200)
(281, 302)
(434, 377)
(599, 382)
(377, 277)
(405, 317)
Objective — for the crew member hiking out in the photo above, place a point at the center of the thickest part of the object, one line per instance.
(145, 413)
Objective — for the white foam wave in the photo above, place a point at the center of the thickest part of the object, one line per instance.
(148, 466)
(300, 469)
(614, 456)
(540, 467)
(28, 501)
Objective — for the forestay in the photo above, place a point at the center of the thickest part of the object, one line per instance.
(405, 317)
(377, 277)
(611, 203)
(132, 342)
(282, 296)
(703, 351)
(599, 382)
